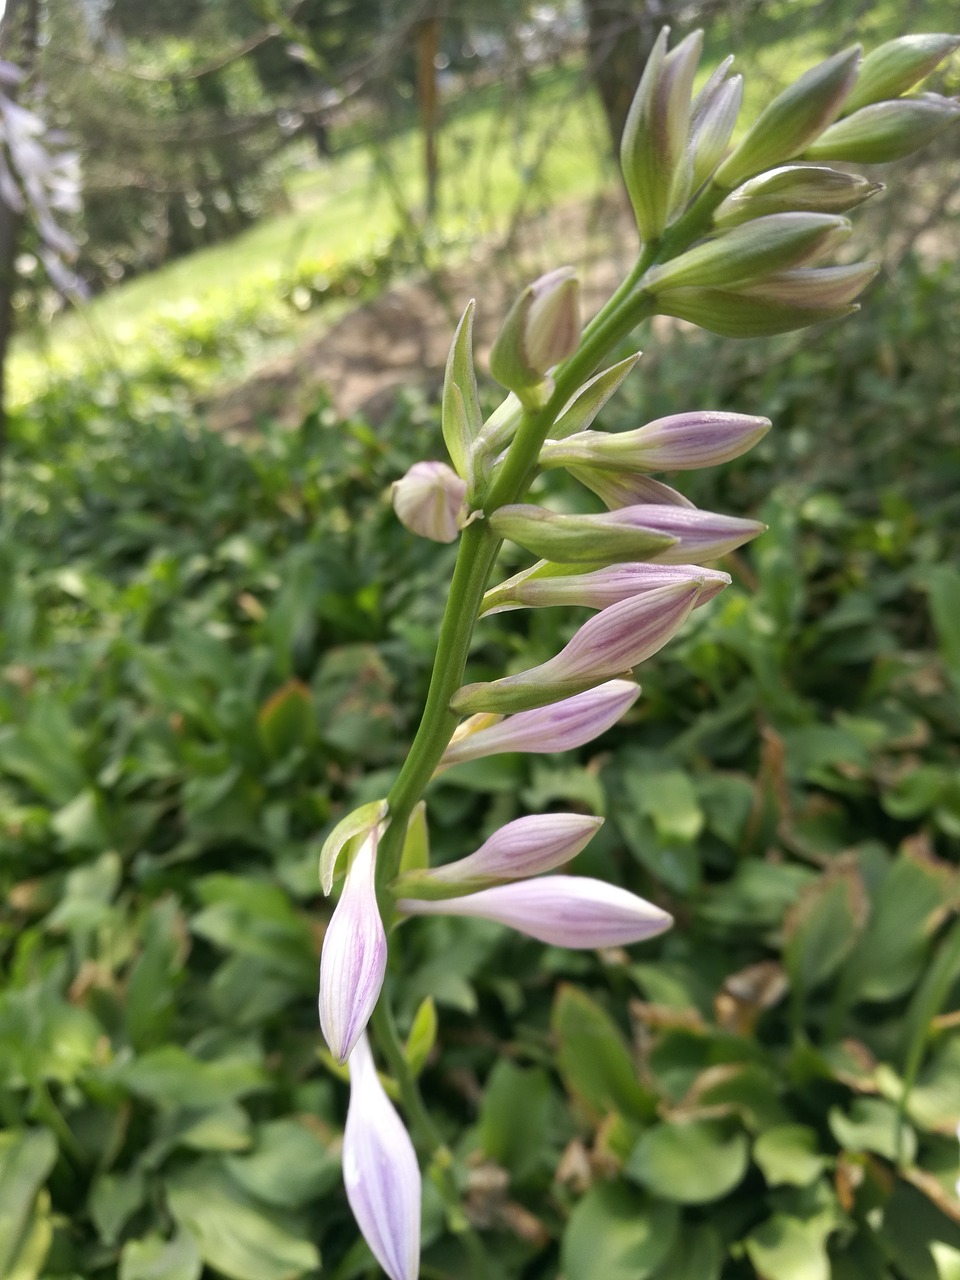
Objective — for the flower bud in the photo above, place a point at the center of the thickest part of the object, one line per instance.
(461, 416)
(525, 847)
(815, 287)
(795, 188)
(431, 500)
(628, 489)
(380, 1171)
(794, 118)
(358, 823)
(896, 66)
(575, 539)
(680, 442)
(353, 959)
(590, 399)
(656, 130)
(886, 131)
(608, 644)
(547, 584)
(778, 242)
(562, 911)
(542, 328)
(714, 117)
(563, 725)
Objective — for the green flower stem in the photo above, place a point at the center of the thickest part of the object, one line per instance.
(427, 1137)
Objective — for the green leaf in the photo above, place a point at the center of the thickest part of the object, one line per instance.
(289, 1167)
(787, 1248)
(690, 1161)
(416, 841)
(287, 720)
(234, 1233)
(822, 929)
(945, 610)
(615, 1233)
(26, 1159)
(422, 1037)
(669, 798)
(788, 1153)
(115, 1197)
(514, 1118)
(594, 1061)
(154, 1258)
(698, 1254)
(172, 1077)
(872, 1124)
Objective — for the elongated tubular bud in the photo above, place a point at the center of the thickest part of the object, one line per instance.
(778, 242)
(710, 131)
(628, 489)
(680, 442)
(686, 533)
(380, 1171)
(542, 328)
(794, 118)
(547, 585)
(740, 315)
(354, 956)
(886, 131)
(562, 726)
(460, 405)
(608, 644)
(798, 187)
(590, 399)
(896, 66)
(525, 847)
(562, 911)
(431, 500)
(815, 286)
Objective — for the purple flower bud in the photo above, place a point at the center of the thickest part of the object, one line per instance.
(541, 329)
(627, 489)
(538, 588)
(563, 911)
(608, 644)
(354, 956)
(570, 723)
(522, 848)
(430, 501)
(680, 442)
(380, 1171)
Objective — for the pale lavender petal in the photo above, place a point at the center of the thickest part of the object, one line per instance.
(430, 500)
(564, 911)
(600, 588)
(625, 489)
(701, 535)
(525, 847)
(354, 956)
(566, 724)
(380, 1171)
(680, 442)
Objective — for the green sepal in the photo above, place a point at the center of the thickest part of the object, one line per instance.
(461, 416)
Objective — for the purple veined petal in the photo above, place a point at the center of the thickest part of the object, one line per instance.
(701, 535)
(626, 489)
(679, 442)
(380, 1171)
(354, 956)
(540, 587)
(563, 911)
(571, 722)
(430, 500)
(525, 847)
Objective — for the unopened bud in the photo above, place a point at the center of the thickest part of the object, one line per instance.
(710, 130)
(794, 118)
(575, 539)
(795, 188)
(550, 584)
(680, 442)
(541, 330)
(895, 67)
(430, 501)
(656, 131)
(815, 287)
(741, 315)
(778, 242)
(461, 416)
(886, 130)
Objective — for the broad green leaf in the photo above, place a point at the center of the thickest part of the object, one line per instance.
(289, 1166)
(872, 1124)
(616, 1233)
(26, 1158)
(514, 1118)
(669, 799)
(756, 896)
(689, 1161)
(115, 1197)
(172, 1077)
(787, 1248)
(698, 1254)
(287, 720)
(822, 929)
(593, 1058)
(154, 1258)
(788, 1153)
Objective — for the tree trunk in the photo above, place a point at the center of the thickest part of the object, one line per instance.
(428, 45)
(620, 36)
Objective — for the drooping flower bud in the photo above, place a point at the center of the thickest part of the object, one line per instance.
(353, 959)
(793, 119)
(461, 417)
(525, 847)
(431, 501)
(541, 329)
(778, 242)
(549, 584)
(896, 66)
(608, 644)
(360, 822)
(795, 187)
(563, 725)
(590, 399)
(380, 1171)
(665, 534)
(617, 489)
(886, 131)
(562, 911)
(656, 131)
(680, 442)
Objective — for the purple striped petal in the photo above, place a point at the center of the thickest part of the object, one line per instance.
(598, 589)
(564, 911)
(354, 956)
(680, 442)
(380, 1171)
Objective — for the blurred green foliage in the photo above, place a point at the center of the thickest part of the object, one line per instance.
(211, 650)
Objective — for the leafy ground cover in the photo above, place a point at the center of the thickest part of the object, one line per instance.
(210, 651)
